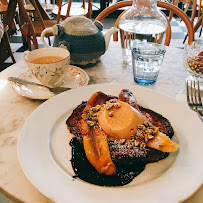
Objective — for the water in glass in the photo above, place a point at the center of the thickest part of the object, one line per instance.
(146, 60)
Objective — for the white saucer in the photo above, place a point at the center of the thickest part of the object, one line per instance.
(76, 77)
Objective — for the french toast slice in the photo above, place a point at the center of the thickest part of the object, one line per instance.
(124, 153)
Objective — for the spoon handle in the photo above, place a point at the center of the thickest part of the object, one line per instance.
(25, 82)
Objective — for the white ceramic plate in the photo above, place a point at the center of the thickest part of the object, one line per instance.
(44, 152)
(75, 77)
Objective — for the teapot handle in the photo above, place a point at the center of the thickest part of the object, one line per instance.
(44, 32)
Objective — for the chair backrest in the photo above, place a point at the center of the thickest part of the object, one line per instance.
(188, 2)
(167, 6)
(67, 12)
(200, 8)
(50, 2)
(3, 2)
(40, 9)
(48, 5)
(41, 14)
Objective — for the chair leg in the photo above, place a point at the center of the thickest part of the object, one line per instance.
(185, 38)
(49, 41)
(185, 10)
(194, 10)
(198, 23)
(24, 39)
(200, 33)
(68, 8)
(34, 41)
(29, 43)
(83, 4)
(171, 13)
(9, 47)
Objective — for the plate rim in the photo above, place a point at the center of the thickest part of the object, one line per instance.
(90, 86)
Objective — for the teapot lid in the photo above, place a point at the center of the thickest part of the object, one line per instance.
(80, 26)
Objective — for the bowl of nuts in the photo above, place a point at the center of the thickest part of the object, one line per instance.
(193, 60)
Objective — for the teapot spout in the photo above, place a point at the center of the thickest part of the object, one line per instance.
(108, 34)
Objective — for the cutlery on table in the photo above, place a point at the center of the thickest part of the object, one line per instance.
(55, 90)
(194, 97)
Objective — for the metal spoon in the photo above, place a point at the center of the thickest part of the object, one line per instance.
(56, 90)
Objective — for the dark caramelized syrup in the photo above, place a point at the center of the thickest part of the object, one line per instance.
(85, 171)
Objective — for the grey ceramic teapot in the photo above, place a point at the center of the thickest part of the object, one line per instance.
(82, 37)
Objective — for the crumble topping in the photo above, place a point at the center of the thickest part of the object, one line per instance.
(91, 116)
(145, 132)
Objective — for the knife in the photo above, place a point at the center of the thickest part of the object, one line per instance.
(56, 90)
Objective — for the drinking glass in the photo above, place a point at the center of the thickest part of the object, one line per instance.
(146, 60)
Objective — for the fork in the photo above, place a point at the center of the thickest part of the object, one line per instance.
(194, 98)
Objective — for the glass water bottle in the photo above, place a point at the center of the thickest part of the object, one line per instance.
(142, 22)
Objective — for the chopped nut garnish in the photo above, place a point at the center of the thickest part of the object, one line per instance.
(90, 123)
(117, 105)
(109, 106)
(92, 114)
(149, 131)
(144, 133)
(150, 137)
(142, 144)
(111, 113)
(146, 123)
(133, 138)
(139, 126)
(122, 141)
(136, 143)
(146, 139)
(112, 103)
(130, 146)
(113, 100)
(156, 129)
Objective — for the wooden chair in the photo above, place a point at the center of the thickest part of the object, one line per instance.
(3, 7)
(48, 6)
(188, 3)
(199, 22)
(3, 10)
(69, 9)
(164, 5)
(200, 13)
(7, 41)
(32, 29)
(200, 8)
(5, 45)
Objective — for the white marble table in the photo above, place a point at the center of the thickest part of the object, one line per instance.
(15, 109)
